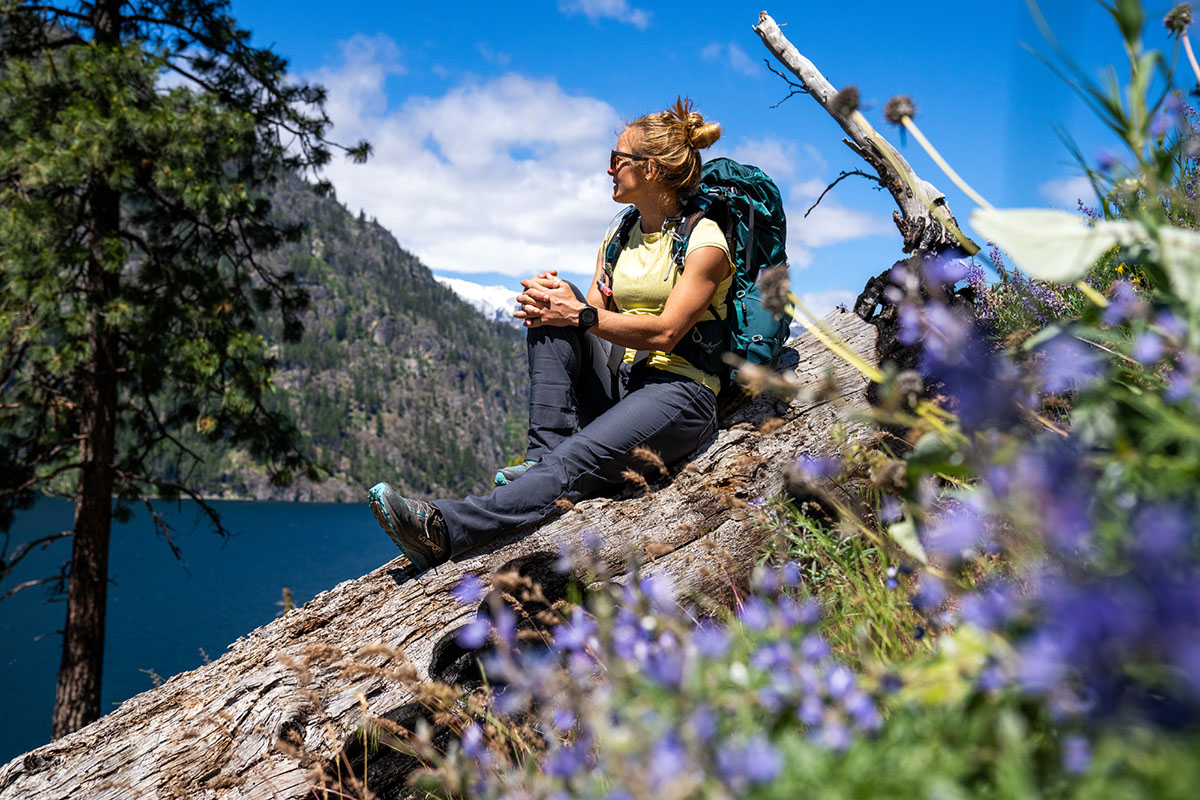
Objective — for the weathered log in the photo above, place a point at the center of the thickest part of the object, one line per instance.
(255, 722)
(923, 219)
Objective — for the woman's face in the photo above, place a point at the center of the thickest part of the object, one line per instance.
(628, 175)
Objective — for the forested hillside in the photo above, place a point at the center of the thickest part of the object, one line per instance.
(395, 377)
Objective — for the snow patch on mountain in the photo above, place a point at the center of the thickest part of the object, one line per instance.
(496, 303)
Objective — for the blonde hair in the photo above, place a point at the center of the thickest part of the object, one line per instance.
(673, 139)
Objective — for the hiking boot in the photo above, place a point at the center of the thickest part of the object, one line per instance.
(415, 526)
(509, 474)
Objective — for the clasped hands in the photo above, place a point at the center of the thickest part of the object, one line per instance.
(547, 301)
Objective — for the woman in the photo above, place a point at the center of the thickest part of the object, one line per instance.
(585, 415)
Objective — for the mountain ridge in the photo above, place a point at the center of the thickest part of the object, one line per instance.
(395, 377)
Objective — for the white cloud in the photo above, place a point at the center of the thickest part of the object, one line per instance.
(799, 257)
(779, 159)
(797, 170)
(821, 303)
(506, 175)
(830, 223)
(595, 10)
(1065, 193)
(734, 57)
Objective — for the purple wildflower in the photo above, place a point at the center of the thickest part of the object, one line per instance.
(664, 665)
(574, 635)
(1171, 325)
(704, 723)
(771, 656)
(1147, 348)
(504, 620)
(813, 648)
(755, 614)
(818, 468)
(811, 710)
(862, 711)
(1069, 364)
(565, 762)
(659, 590)
(991, 608)
(750, 764)
(930, 594)
(797, 614)
(667, 761)
(1123, 305)
(945, 270)
(564, 718)
(474, 634)
(838, 682)
(710, 640)
(1161, 123)
(833, 736)
(953, 534)
(1076, 755)
(469, 589)
(909, 331)
(472, 743)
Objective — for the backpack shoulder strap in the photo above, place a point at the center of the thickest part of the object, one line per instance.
(696, 209)
(612, 252)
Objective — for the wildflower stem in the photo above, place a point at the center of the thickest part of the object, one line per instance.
(1187, 48)
(1091, 294)
(938, 425)
(912, 128)
(831, 339)
(881, 144)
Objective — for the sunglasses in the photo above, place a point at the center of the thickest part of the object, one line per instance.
(615, 154)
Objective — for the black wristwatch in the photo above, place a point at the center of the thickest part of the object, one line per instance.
(588, 314)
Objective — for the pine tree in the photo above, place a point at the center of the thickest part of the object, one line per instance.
(139, 142)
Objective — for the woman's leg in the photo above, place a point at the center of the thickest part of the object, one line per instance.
(666, 413)
(569, 385)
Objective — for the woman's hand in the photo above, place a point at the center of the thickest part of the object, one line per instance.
(547, 301)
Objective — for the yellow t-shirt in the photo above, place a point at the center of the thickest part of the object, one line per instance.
(643, 277)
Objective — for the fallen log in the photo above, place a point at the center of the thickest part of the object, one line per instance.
(286, 698)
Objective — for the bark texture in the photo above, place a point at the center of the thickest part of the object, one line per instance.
(288, 696)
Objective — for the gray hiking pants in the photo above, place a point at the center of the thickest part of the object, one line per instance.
(584, 422)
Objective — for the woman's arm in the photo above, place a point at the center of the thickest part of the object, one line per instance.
(547, 304)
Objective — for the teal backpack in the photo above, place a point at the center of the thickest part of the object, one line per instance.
(746, 205)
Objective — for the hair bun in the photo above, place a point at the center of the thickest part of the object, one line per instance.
(698, 133)
(703, 134)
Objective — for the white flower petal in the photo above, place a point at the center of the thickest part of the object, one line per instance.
(1053, 245)
(1181, 260)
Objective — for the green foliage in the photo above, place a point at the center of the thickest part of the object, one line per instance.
(133, 218)
(131, 223)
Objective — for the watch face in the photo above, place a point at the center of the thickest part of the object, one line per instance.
(587, 317)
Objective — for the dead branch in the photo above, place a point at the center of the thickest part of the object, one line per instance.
(924, 220)
(845, 174)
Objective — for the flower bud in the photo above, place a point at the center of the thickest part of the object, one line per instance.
(898, 108)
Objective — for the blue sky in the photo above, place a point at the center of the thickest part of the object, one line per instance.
(491, 122)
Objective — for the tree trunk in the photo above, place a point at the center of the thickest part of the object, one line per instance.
(287, 698)
(77, 701)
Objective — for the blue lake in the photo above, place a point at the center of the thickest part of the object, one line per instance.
(165, 615)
